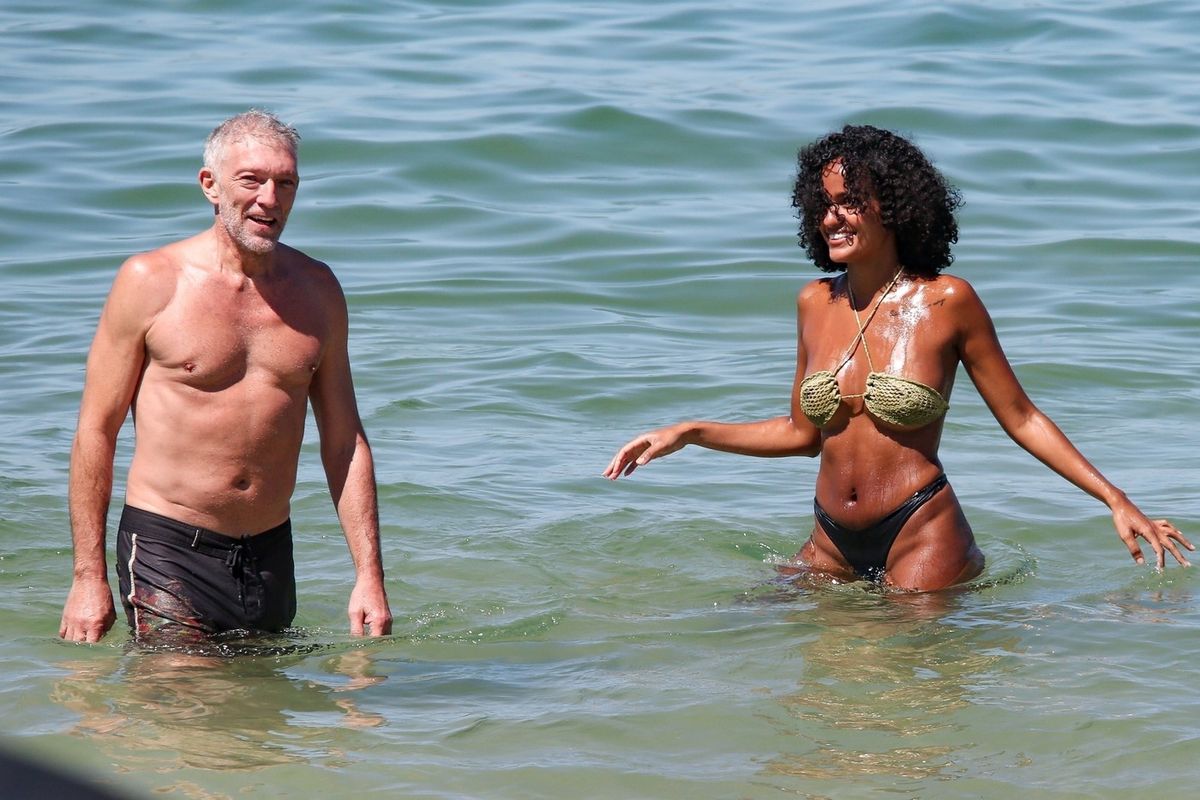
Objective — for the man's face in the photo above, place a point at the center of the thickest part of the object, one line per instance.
(253, 188)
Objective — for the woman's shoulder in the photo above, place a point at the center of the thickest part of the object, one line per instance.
(960, 302)
(953, 289)
(820, 289)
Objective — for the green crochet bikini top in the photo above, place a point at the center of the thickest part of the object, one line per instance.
(895, 400)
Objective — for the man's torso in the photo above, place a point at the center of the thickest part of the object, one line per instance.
(220, 408)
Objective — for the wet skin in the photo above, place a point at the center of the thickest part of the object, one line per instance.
(924, 328)
(217, 344)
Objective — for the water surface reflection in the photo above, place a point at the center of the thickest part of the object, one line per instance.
(887, 684)
(162, 710)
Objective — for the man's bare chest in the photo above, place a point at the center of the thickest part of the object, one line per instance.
(212, 342)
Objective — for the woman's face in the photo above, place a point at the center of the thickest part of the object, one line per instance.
(854, 235)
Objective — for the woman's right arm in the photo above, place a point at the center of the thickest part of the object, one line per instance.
(790, 435)
(768, 438)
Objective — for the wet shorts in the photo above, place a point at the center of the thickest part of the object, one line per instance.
(173, 574)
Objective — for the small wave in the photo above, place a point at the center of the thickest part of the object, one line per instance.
(297, 641)
(1007, 564)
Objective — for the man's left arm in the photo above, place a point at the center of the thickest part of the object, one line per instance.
(350, 471)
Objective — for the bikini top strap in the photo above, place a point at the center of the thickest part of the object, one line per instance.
(862, 326)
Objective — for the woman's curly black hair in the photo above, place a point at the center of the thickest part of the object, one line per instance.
(915, 201)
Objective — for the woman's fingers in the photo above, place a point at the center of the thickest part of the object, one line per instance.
(627, 458)
(1163, 537)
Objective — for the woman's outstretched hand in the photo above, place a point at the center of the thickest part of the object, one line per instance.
(1160, 534)
(643, 449)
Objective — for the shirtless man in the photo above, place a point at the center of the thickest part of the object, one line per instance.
(217, 343)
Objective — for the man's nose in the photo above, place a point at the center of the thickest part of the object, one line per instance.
(267, 194)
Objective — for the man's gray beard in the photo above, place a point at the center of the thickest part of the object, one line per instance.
(235, 226)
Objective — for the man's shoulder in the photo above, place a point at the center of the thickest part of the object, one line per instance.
(147, 273)
(299, 260)
(146, 282)
(304, 268)
(163, 263)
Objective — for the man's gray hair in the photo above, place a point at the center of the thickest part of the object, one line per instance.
(253, 124)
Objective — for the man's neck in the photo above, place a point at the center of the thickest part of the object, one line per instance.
(233, 258)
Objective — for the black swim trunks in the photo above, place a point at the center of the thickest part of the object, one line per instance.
(178, 577)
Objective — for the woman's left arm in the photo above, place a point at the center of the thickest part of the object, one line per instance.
(988, 367)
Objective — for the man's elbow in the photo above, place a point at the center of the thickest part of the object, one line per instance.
(94, 437)
(344, 450)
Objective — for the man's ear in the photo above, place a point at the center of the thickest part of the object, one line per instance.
(208, 184)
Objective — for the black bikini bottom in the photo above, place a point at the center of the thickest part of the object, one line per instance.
(867, 549)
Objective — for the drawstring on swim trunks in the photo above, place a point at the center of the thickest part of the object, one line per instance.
(243, 565)
(240, 556)
(234, 559)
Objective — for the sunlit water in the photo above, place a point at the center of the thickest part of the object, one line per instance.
(558, 224)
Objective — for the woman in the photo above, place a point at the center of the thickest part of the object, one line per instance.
(877, 351)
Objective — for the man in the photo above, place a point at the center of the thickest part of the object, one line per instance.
(217, 343)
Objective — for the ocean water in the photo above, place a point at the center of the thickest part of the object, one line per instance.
(559, 224)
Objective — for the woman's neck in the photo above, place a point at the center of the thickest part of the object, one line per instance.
(867, 280)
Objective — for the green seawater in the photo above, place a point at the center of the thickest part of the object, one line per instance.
(557, 225)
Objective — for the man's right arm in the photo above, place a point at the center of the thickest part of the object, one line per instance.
(114, 366)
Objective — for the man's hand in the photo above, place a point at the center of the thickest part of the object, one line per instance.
(89, 611)
(369, 609)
